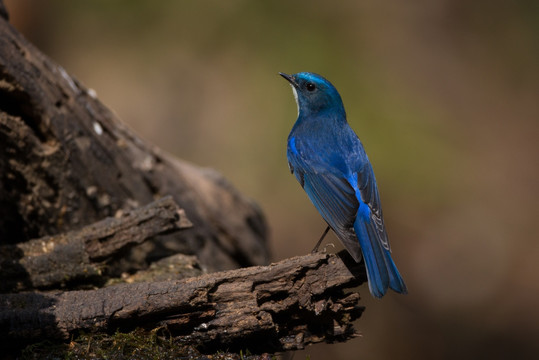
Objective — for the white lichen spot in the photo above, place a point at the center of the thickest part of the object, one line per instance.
(103, 200)
(69, 80)
(46, 247)
(97, 128)
(202, 326)
(91, 93)
(91, 191)
(147, 164)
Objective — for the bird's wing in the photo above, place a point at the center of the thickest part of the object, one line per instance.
(368, 192)
(333, 197)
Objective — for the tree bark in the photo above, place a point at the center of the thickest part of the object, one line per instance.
(284, 306)
(80, 256)
(66, 161)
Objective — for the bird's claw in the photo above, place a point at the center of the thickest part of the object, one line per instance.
(324, 251)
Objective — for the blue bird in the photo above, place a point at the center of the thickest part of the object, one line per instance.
(327, 158)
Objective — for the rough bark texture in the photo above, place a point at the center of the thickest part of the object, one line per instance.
(79, 256)
(67, 161)
(284, 306)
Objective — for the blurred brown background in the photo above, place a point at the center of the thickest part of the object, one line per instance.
(444, 95)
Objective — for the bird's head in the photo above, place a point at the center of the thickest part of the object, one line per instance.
(313, 93)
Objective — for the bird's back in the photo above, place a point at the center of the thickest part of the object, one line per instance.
(323, 161)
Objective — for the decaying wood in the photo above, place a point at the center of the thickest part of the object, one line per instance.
(67, 161)
(284, 306)
(80, 255)
(173, 267)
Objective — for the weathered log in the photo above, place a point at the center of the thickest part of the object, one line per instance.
(284, 306)
(175, 267)
(67, 161)
(80, 255)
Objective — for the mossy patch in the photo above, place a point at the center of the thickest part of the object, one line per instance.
(138, 344)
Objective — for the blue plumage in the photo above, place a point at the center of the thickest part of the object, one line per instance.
(328, 160)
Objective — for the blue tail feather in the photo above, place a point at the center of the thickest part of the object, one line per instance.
(395, 280)
(381, 270)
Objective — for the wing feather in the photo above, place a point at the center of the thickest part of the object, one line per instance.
(368, 192)
(333, 197)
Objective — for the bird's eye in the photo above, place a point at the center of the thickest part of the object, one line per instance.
(310, 87)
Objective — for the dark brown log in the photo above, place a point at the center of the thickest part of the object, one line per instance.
(284, 306)
(80, 255)
(175, 267)
(67, 161)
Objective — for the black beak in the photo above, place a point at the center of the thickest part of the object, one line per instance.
(290, 79)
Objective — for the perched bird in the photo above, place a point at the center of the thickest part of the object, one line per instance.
(328, 159)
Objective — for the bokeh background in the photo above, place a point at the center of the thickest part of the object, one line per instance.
(444, 95)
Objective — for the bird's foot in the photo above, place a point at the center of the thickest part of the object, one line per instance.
(320, 240)
(324, 249)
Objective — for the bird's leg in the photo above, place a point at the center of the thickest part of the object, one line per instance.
(320, 241)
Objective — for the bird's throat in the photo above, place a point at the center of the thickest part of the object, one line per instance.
(295, 96)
